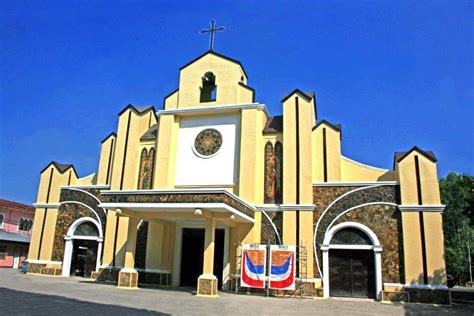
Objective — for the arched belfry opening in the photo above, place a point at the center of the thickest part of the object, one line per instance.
(208, 88)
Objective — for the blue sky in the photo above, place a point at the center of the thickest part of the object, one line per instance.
(393, 73)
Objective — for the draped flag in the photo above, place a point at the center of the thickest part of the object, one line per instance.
(282, 267)
(253, 266)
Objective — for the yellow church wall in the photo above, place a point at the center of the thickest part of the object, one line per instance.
(306, 228)
(289, 169)
(169, 235)
(171, 102)
(429, 181)
(136, 125)
(109, 238)
(245, 95)
(154, 246)
(107, 150)
(353, 171)
(333, 154)
(428, 177)
(434, 239)
(228, 75)
(166, 144)
(36, 233)
(121, 242)
(51, 180)
(412, 248)
(88, 180)
(433, 224)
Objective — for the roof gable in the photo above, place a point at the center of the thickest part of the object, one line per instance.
(61, 167)
(308, 96)
(210, 52)
(400, 155)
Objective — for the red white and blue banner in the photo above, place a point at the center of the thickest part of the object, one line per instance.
(254, 258)
(282, 267)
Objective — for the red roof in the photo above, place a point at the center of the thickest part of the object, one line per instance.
(16, 205)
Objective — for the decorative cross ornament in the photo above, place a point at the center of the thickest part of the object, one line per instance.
(211, 31)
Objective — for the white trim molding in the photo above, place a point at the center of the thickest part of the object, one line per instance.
(353, 184)
(426, 286)
(376, 247)
(363, 164)
(166, 207)
(42, 261)
(297, 207)
(258, 106)
(421, 208)
(87, 186)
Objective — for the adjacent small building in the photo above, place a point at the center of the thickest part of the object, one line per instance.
(16, 221)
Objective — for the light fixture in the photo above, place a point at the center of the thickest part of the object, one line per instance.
(197, 211)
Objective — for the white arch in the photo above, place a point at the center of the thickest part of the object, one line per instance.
(376, 247)
(77, 222)
(330, 233)
(66, 267)
(88, 193)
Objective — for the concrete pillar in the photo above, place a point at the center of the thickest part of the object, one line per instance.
(207, 282)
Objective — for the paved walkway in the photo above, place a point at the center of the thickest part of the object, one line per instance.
(39, 295)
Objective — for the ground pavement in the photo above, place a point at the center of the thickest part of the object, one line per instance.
(40, 295)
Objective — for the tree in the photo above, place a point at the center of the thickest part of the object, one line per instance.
(457, 193)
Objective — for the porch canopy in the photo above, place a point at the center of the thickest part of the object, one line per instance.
(178, 205)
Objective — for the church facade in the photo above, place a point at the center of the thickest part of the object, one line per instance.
(178, 191)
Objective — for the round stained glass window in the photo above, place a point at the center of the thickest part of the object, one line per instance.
(208, 142)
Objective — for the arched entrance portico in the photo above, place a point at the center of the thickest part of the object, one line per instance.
(352, 261)
(85, 235)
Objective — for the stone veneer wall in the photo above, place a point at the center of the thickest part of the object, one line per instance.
(384, 220)
(267, 232)
(70, 212)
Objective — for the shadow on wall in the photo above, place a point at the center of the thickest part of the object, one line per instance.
(387, 176)
(438, 278)
(27, 303)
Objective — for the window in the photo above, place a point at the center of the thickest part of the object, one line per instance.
(350, 236)
(3, 252)
(86, 229)
(25, 224)
(2, 217)
(209, 88)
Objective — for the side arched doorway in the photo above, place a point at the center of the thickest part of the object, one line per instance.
(83, 248)
(352, 262)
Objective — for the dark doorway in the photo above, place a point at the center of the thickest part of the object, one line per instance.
(351, 273)
(192, 256)
(84, 257)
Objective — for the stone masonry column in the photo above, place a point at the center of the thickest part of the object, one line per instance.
(207, 281)
(128, 276)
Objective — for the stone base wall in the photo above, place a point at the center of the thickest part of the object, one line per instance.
(106, 274)
(398, 296)
(432, 296)
(127, 279)
(207, 287)
(35, 268)
(154, 278)
(414, 295)
(52, 271)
